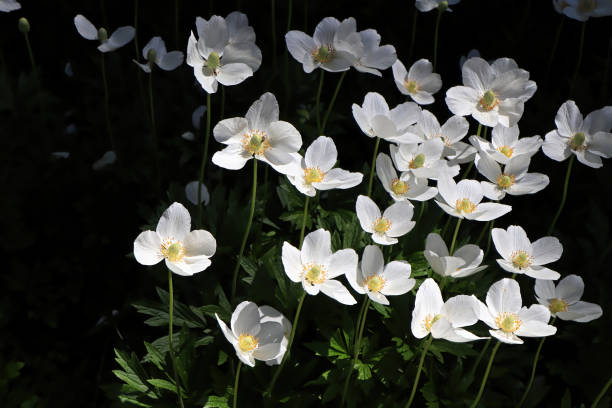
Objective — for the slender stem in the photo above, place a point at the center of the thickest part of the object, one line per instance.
(489, 239)
(435, 55)
(136, 47)
(318, 101)
(467, 171)
(296, 319)
(421, 210)
(418, 374)
(602, 393)
(109, 130)
(361, 325)
(358, 325)
(563, 197)
(480, 356)
(485, 228)
(30, 53)
(170, 335)
(331, 103)
(305, 16)
(273, 27)
(236, 381)
(484, 133)
(452, 247)
(304, 217)
(247, 230)
(553, 50)
(415, 14)
(486, 375)
(204, 158)
(373, 166)
(151, 106)
(580, 52)
(446, 225)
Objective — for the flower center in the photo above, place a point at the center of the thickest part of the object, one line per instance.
(399, 187)
(506, 151)
(314, 274)
(375, 283)
(313, 175)
(505, 181)
(465, 205)
(557, 305)
(521, 259)
(173, 250)
(508, 322)
(213, 61)
(586, 6)
(430, 320)
(324, 53)
(151, 56)
(411, 86)
(382, 225)
(418, 161)
(247, 343)
(488, 101)
(577, 142)
(255, 142)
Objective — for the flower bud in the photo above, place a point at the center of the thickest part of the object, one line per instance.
(443, 6)
(24, 25)
(102, 34)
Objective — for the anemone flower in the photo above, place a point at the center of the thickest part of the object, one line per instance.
(388, 226)
(563, 300)
(118, 38)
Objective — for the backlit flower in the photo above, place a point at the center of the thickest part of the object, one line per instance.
(505, 144)
(463, 200)
(155, 53)
(563, 300)
(581, 10)
(465, 261)
(118, 38)
(424, 160)
(405, 187)
(419, 82)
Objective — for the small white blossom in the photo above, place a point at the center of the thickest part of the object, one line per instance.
(155, 53)
(9, 5)
(387, 227)
(118, 38)
(464, 262)
(463, 200)
(419, 82)
(505, 144)
(427, 5)
(563, 300)
(581, 10)
(407, 186)
(423, 160)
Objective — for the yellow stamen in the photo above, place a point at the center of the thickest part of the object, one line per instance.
(557, 305)
(313, 175)
(375, 283)
(508, 322)
(172, 250)
(506, 151)
(247, 343)
(324, 53)
(521, 259)
(382, 225)
(314, 274)
(399, 187)
(577, 142)
(255, 142)
(411, 86)
(488, 101)
(430, 320)
(418, 161)
(465, 205)
(505, 181)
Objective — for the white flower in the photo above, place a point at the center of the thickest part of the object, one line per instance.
(377, 280)
(118, 38)
(464, 262)
(191, 191)
(471, 53)
(407, 186)
(423, 160)
(581, 10)
(514, 180)
(463, 200)
(493, 93)
(315, 266)
(394, 222)
(270, 314)
(521, 256)
(316, 173)
(9, 5)
(253, 336)
(374, 56)
(444, 320)
(419, 82)
(334, 47)
(375, 119)
(155, 53)
(505, 144)
(508, 320)
(564, 302)
(559, 5)
(259, 134)
(427, 5)
(107, 159)
(185, 252)
(589, 139)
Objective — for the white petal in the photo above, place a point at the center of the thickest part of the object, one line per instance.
(337, 291)
(581, 312)
(226, 331)
(556, 147)
(263, 112)
(569, 289)
(199, 243)
(284, 136)
(504, 296)
(398, 280)
(191, 192)
(171, 60)
(518, 239)
(233, 157)
(546, 250)
(342, 262)
(487, 166)
(233, 74)
(428, 303)
(460, 310)
(462, 100)
(469, 189)
(378, 297)
(400, 216)
(245, 319)
(508, 338)
(174, 223)
(321, 153)
(568, 119)
(299, 45)
(372, 261)
(435, 243)
(488, 211)
(326, 30)
(316, 247)
(478, 74)
(339, 178)
(367, 212)
(292, 262)
(230, 131)
(118, 38)
(503, 242)
(85, 27)
(246, 53)
(147, 248)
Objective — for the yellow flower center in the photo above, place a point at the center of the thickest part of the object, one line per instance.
(521, 259)
(508, 322)
(382, 225)
(314, 274)
(465, 205)
(411, 86)
(213, 62)
(247, 343)
(505, 181)
(577, 142)
(324, 53)
(557, 305)
(313, 175)
(255, 142)
(172, 250)
(586, 6)
(488, 101)
(399, 187)
(430, 320)
(506, 151)
(418, 161)
(375, 283)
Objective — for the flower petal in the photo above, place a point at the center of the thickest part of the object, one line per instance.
(367, 212)
(337, 291)
(504, 296)
(321, 154)
(292, 262)
(147, 248)
(199, 243)
(174, 223)
(342, 262)
(316, 247)
(546, 250)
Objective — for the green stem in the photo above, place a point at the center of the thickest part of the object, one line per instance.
(479, 358)
(236, 382)
(30, 53)
(421, 210)
(318, 101)
(484, 133)
(489, 239)
(373, 166)
(563, 197)
(602, 393)
(304, 217)
(446, 225)
(170, 335)
(154, 129)
(109, 130)
(415, 14)
(435, 55)
(363, 306)
(580, 52)
(553, 50)
(452, 247)
(418, 374)
(479, 129)
(273, 27)
(136, 47)
(331, 103)
(485, 228)
(247, 230)
(486, 375)
(361, 325)
(204, 158)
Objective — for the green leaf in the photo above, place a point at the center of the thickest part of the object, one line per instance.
(566, 401)
(130, 400)
(163, 384)
(216, 402)
(131, 380)
(154, 356)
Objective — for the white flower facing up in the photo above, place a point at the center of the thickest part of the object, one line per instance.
(155, 53)
(514, 180)
(589, 139)
(463, 200)
(507, 317)
(505, 144)
(444, 320)
(375, 119)
(191, 192)
(465, 261)
(254, 336)
(374, 57)
(428, 5)
(581, 10)
(424, 160)
(493, 93)
(377, 280)
(9, 5)
(316, 170)
(270, 314)
(522, 256)
(387, 227)
(563, 300)
(259, 134)
(185, 252)
(407, 186)
(315, 266)
(419, 82)
(118, 38)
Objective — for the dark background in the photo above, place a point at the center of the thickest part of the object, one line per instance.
(66, 231)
